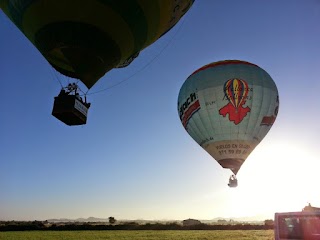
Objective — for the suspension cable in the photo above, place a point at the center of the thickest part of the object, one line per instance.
(142, 68)
(54, 75)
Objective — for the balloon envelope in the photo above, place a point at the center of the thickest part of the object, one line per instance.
(84, 39)
(228, 107)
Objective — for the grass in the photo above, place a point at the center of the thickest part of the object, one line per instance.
(140, 235)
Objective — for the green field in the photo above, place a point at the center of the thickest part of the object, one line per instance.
(140, 235)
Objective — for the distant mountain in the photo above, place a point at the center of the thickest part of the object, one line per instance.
(89, 219)
(252, 219)
(93, 219)
(257, 218)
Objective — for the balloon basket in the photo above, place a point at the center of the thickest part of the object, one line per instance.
(70, 110)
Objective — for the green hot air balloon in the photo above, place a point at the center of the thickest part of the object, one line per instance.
(228, 107)
(84, 39)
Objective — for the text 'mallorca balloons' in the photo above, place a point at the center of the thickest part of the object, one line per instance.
(84, 39)
(228, 107)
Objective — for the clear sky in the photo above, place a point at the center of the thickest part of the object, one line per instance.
(133, 159)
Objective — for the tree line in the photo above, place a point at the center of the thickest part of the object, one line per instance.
(44, 225)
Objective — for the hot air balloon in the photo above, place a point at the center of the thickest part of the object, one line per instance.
(85, 39)
(228, 107)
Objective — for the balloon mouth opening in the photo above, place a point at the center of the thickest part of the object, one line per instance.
(86, 65)
(78, 49)
(234, 164)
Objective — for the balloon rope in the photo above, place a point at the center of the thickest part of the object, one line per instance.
(144, 67)
(54, 74)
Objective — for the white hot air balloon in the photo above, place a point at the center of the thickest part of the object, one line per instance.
(228, 107)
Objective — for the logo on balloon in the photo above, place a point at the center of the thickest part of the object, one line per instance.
(188, 108)
(236, 92)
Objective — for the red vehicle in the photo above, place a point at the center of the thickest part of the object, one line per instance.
(304, 225)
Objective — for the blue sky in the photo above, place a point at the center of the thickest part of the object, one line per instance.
(133, 159)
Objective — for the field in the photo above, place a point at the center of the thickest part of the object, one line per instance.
(140, 235)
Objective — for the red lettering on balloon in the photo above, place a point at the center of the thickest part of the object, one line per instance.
(190, 111)
(236, 91)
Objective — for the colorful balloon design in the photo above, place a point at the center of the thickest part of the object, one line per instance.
(236, 91)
